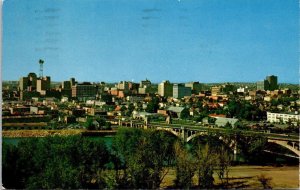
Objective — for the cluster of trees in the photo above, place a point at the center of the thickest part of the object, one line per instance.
(142, 158)
(97, 123)
(136, 159)
(54, 162)
(152, 105)
(244, 110)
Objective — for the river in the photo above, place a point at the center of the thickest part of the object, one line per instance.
(15, 140)
(272, 159)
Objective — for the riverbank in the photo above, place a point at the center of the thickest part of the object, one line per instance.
(28, 124)
(286, 177)
(62, 132)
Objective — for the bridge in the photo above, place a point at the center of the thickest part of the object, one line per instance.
(188, 132)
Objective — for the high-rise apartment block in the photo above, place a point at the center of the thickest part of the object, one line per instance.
(179, 91)
(165, 88)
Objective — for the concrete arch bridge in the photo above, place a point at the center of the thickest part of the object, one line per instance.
(188, 132)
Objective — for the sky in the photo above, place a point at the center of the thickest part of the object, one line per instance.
(176, 40)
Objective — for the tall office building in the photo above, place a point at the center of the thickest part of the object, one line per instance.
(272, 80)
(43, 84)
(262, 85)
(123, 85)
(84, 91)
(32, 81)
(165, 88)
(195, 86)
(270, 83)
(179, 91)
(66, 85)
(146, 83)
(72, 81)
(23, 83)
(28, 83)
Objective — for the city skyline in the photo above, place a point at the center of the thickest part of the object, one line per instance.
(206, 41)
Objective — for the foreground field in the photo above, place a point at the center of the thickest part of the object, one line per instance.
(286, 177)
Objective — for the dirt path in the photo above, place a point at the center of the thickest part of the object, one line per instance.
(282, 177)
(285, 177)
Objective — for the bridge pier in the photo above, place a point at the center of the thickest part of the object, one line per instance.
(183, 134)
(235, 151)
(293, 143)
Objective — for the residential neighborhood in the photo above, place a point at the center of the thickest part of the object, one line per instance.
(70, 104)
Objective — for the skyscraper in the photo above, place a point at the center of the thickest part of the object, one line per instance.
(272, 80)
(179, 91)
(270, 83)
(165, 88)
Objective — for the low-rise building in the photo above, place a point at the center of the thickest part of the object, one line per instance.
(175, 110)
(283, 117)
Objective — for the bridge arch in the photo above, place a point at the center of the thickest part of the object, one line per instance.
(195, 135)
(170, 130)
(285, 144)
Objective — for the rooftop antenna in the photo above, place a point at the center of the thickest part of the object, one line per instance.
(41, 62)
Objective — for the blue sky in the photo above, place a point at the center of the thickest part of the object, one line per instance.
(186, 40)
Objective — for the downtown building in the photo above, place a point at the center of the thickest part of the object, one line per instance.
(180, 91)
(66, 87)
(196, 87)
(144, 87)
(165, 88)
(33, 86)
(84, 91)
(270, 83)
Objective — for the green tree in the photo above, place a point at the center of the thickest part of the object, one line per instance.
(153, 106)
(185, 167)
(89, 124)
(11, 178)
(130, 109)
(224, 162)
(211, 120)
(56, 162)
(185, 114)
(141, 155)
(206, 164)
(251, 146)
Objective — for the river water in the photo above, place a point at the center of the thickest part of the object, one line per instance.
(108, 142)
(15, 140)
